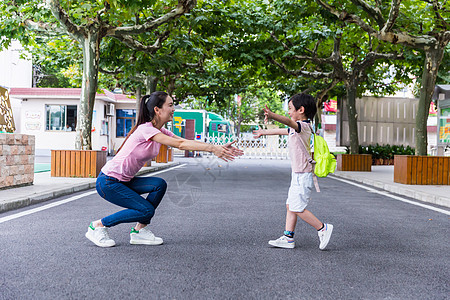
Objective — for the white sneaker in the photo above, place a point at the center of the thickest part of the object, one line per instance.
(324, 235)
(99, 236)
(283, 242)
(144, 237)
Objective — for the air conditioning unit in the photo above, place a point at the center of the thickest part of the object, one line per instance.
(110, 109)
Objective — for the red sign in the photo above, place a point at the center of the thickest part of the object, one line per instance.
(433, 110)
(330, 105)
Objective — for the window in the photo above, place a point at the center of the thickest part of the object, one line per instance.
(222, 128)
(61, 117)
(125, 120)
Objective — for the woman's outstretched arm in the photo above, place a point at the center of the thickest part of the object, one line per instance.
(226, 152)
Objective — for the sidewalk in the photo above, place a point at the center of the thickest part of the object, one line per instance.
(46, 187)
(383, 177)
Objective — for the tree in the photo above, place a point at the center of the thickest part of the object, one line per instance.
(59, 63)
(51, 59)
(88, 23)
(418, 24)
(312, 46)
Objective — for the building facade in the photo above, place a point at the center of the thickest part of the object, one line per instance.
(50, 114)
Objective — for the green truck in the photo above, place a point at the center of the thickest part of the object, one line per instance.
(199, 124)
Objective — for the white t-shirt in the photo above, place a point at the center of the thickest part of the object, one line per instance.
(299, 159)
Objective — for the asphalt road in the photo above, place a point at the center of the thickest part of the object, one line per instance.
(216, 222)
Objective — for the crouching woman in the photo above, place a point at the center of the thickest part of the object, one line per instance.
(117, 183)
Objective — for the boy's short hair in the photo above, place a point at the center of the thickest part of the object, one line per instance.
(307, 101)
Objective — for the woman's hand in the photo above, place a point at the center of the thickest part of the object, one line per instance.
(227, 152)
(236, 151)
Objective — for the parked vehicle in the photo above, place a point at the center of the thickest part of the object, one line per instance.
(199, 124)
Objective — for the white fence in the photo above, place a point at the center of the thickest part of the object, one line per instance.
(271, 147)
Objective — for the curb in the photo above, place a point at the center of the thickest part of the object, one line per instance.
(402, 191)
(35, 198)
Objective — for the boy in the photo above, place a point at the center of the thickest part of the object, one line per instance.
(302, 109)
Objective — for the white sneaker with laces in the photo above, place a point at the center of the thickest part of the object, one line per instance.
(324, 235)
(99, 236)
(283, 242)
(144, 237)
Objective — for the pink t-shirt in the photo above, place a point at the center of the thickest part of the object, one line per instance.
(136, 151)
(299, 160)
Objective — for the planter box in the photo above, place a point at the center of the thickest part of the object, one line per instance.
(163, 156)
(354, 162)
(77, 163)
(170, 154)
(16, 160)
(430, 170)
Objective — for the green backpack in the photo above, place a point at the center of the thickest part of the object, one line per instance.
(325, 161)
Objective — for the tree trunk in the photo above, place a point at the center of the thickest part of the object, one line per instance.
(151, 82)
(91, 55)
(352, 117)
(238, 129)
(433, 59)
(138, 101)
(238, 125)
(318, 119)
(171, 87)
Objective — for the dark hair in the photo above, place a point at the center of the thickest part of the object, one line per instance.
(307, 101)
(147, 110)
(147, 106)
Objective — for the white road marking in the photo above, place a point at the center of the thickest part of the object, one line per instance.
(57, 203)
(44, 207)
(387, 194)
(162, 171)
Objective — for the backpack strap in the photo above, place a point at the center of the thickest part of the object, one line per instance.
(311, 161)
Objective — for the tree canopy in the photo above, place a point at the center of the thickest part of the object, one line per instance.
(140, 25)
(417, 24)
(261, 50)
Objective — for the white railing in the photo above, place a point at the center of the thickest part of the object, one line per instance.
(271, 147)
(266, 147)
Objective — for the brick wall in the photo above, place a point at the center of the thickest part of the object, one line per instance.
(16, 160)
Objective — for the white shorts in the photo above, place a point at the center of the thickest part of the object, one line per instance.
(300, 191)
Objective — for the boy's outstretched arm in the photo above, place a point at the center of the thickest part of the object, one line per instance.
(282, 119)
(275, 131)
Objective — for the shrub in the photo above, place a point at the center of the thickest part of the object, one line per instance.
(384, 151)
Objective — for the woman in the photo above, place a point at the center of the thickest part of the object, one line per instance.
(117, 182)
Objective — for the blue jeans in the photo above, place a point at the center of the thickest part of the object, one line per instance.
(128, 195)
